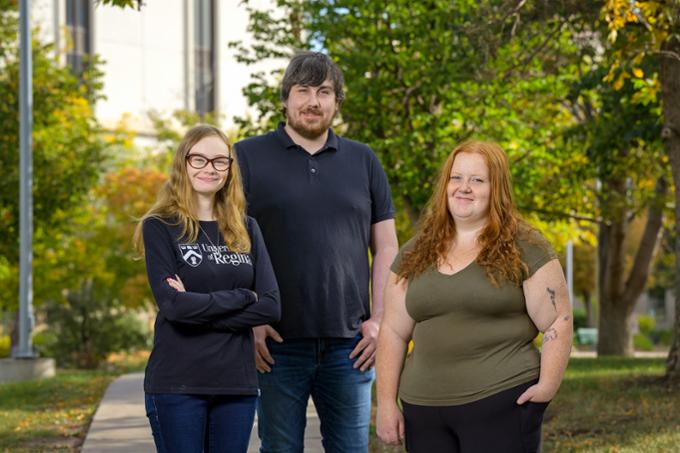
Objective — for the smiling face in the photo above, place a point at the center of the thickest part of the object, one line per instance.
(310, 109)
(469, 190)
(207, 180)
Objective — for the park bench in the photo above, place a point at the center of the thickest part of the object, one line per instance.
(586, 336)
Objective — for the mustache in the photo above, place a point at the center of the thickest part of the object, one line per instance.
(312, 110)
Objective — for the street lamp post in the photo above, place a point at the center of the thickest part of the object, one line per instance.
(25, 348)
(570, 271)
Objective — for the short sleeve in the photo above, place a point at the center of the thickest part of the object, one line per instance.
(397, 260)
(382, 207)
(536, 251)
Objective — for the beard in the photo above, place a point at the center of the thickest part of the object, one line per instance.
(311, 131)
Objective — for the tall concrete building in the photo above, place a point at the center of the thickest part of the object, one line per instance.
(170, 55)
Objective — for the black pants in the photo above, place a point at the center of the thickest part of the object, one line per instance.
(495, 424)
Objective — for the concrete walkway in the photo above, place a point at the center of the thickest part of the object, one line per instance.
(638, 354)
(120, 424)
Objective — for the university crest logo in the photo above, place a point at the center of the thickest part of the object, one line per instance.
(191, 253)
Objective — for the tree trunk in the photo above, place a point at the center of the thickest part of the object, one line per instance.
(618, 299)
(669, 77)
(614, 331)
(588, 305)
(673, 361)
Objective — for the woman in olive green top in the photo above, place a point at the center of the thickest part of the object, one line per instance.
(472, 289)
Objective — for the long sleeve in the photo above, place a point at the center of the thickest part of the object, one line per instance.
(267, 309)
(184, 307)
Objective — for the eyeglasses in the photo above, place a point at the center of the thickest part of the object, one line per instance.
(199, 161)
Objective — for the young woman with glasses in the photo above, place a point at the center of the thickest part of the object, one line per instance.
(212, 280)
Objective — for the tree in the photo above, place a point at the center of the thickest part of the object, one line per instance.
(94, 280)
(584, 278)
(123, 3)
(278, 35)
(68, 145)
(621, 135)
(651, 29)
(423, 76)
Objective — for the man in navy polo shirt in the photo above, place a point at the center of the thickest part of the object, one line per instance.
(322, 202)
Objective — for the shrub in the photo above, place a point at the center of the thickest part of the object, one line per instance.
(4, 346)
(580, 318)
(114, 333)
(42, 340)
(642, 342)
(662, 337)
(85, 328)
(646, 324)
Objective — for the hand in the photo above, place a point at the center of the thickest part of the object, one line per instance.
(176, 283)
(367, 346)
(389, 424)
(263, 359)
(537, 393)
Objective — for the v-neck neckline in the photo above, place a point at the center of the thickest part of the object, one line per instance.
(463, 269)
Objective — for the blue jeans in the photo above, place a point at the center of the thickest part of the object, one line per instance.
(200, 423)
(342, 396)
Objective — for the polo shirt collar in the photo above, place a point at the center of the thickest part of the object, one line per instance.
(331, 141)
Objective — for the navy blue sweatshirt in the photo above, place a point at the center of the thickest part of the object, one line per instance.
(203, 342)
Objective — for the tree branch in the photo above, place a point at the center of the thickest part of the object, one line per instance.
(668, 53)
(565, 215)
(638, 274)
(535, 52)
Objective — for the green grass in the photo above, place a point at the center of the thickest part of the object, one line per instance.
(614, 405)
(49, 414)
(52, 415)
(608, 405)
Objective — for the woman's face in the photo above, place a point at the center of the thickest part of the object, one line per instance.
(211, 178)
(469, 189)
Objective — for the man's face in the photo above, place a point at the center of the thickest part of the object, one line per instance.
(310, 109)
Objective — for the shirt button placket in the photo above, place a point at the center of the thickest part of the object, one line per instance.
(313, 168)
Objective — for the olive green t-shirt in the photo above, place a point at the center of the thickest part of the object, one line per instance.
(471, 339)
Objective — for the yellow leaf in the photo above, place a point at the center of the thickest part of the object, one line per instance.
(637, 60)
(637, 72)
(618, 84)
(612, 36)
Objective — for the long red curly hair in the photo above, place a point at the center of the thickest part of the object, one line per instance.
(499, 255)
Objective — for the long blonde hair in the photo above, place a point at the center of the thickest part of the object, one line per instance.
(500, 255)
(175, 202)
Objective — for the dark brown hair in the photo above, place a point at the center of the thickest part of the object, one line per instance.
(312, 69)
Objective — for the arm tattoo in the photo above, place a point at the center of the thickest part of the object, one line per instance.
(549, 335)
(552, 297)
(566, 318)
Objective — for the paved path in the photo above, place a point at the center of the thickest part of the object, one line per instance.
(120, 424)
(638, 354)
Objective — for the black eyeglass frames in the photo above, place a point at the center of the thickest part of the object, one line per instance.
(199, 161)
